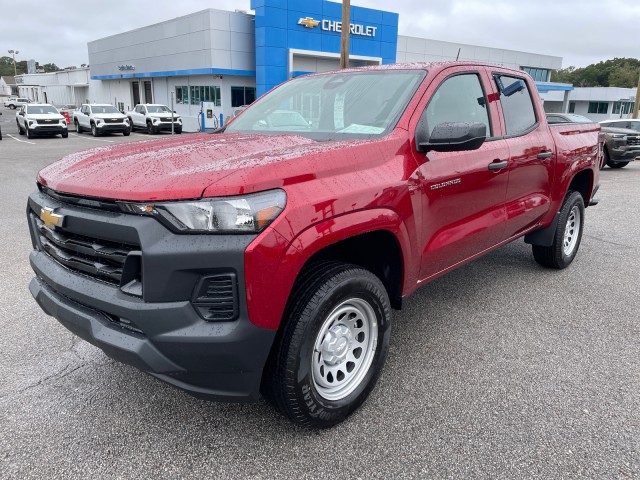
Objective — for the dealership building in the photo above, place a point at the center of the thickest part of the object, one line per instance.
(215, 61)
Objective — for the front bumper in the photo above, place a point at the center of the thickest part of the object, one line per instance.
(166, 126)
(158, 331)
(112, 127)
(625, 154)
(47, 129)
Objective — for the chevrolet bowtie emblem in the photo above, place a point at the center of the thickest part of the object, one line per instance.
(308, 22)
(50, 218)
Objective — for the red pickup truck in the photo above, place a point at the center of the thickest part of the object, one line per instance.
(267, 257)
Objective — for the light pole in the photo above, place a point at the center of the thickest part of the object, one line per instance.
(13, 54)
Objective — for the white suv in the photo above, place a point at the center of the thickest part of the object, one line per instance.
(16, 102)
(40, 119)
(101, 118)
(154, 118)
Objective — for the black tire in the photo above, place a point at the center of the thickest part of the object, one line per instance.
(559, 255)
(78, 127)
(132, 127)
(150, 129)
(20, 130)
(30, 135)
(126, 132)
(292, 380)
(617, 164)
(94, 130)
(605, 158)
(12, 107)
(65, 134)
(177, 130)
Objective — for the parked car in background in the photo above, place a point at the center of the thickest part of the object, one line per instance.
(621, 145)
(154, 118)
(16, 102)
(66, 110)
(40, 119)
(101, 118)
(567, 118)
(630, 123)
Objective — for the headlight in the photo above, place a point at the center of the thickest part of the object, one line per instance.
(619, 136)
(98, 121)
(247, 213)
(156, 120)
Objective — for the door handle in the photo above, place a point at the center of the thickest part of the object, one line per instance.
(498, 165)
(543, 155)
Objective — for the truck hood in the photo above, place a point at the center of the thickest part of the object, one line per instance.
(187, 167)
(44, 116)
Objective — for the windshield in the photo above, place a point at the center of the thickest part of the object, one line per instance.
(103, 109)
(578, 118)
(158, 109)
(333, 107)
(41, 109)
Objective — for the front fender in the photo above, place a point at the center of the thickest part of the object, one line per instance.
(272, 264)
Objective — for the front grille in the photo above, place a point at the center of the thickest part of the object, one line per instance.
(49, 128)
(47, 122)
(113, 120)
(633, 140)
(216, 298)
(101, 259)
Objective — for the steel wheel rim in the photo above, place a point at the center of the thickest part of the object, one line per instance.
(344, 349)
(571, 231)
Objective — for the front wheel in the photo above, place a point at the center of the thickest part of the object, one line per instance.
(65, 134)
(94, 130)
(617, 164)
(333, 345)
(30, 133)
(150, 129)
(126, 132)
(566, 240)
(78, 127)
(20, 130)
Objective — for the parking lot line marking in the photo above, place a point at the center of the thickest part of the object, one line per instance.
(91, 138)
(18, 140)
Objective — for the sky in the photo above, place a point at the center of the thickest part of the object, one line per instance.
(580, 31)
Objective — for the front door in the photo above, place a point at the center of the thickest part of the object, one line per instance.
(148, 97)
(135, 90)
(462, 196)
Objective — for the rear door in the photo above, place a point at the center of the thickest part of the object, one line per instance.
(462, 193)
(532, 153)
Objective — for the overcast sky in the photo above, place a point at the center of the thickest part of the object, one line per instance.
(580, 31)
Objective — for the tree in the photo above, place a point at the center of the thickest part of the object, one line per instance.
(618, 72)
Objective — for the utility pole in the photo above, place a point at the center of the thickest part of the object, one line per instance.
(13, 54)
(637, 101)
(346, 27)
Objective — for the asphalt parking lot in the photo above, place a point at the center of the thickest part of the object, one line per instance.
(500, 369)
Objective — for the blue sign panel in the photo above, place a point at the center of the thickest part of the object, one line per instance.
(316, 26)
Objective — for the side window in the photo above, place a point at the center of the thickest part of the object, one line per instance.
(517, 106)
(458, 99)
(554, 119)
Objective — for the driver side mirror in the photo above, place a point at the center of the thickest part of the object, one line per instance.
(451, 136)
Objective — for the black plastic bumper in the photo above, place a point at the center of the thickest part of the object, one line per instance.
(162, 333)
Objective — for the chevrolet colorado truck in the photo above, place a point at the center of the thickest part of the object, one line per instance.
(40, 119)
(267, 258)
(101, 118)
(154, 118)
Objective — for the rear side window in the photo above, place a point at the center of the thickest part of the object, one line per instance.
(517, 105)
(458, 99)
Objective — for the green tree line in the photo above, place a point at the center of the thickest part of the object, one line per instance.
(619, 72)
(6, 66)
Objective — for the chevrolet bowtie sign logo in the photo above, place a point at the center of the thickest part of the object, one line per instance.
(50, 218)
(308, 22)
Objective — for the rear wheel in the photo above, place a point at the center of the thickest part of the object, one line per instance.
(566, 240)
(333, 346)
